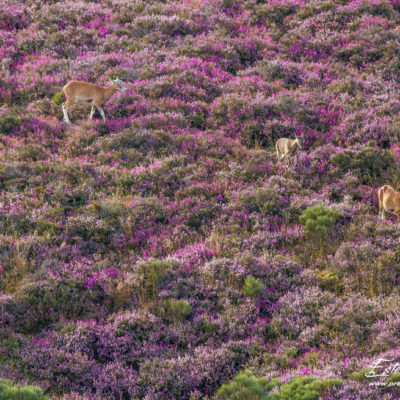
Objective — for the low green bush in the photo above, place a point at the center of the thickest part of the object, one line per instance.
(246, 386)
(9, 391)
(319, 219)
(359, 376)
(57, 98)
(306, 388)
(252, 287)
(176, 310)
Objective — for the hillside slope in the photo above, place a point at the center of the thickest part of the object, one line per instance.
(160, 253)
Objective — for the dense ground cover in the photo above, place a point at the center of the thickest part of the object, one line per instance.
(164, 254)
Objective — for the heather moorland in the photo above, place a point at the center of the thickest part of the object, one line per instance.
(164, 253)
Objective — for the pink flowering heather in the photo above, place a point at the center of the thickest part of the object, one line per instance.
(164, 253)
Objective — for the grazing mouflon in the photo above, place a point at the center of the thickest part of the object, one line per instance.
(389, 201)
(285, 148)
(91, 93)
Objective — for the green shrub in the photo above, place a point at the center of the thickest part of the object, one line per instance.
(252, 287)
(395, 378)
(306, 388)
(57, 98)
(330, 281)
(177, 310)
(9, 391)
(359, 376)
(319, 219)
(245, 386)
